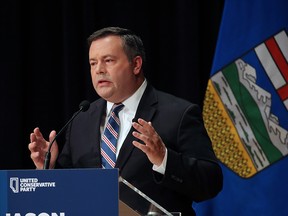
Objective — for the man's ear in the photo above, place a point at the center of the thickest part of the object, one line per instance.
(137, 64)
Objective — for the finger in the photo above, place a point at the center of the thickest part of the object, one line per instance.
(142, 127)
(140, 146)
(32, 137)
(39, 135)
(145, 139)
(52, 135)
(35, 156)
(54, 147)
(146, 125)
(38, 159)
(35, 147)
(37, 132)
(146, 129)
(36, 144)
(32, 146)
(148, 139)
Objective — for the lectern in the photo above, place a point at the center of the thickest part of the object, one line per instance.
(71, 192)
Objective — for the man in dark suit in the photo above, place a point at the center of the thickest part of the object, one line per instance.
(162, 149)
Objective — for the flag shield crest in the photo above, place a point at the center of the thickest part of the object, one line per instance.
(246, 108)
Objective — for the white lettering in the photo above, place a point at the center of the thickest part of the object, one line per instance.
(29, 180)
(27, 189)
(16, 214)
(33, 214)
(42, 184)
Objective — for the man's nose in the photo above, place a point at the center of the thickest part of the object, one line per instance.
(100, 68)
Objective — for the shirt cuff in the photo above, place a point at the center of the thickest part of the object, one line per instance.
(161, 169)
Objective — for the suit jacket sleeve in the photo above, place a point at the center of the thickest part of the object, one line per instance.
(192, 168)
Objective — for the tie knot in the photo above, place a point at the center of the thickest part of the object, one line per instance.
(117, 108)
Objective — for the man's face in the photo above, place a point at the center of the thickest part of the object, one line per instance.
(113, 76)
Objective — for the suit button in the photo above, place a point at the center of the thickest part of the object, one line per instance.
(176, 178)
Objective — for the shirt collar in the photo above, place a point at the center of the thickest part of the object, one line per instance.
(132, 102)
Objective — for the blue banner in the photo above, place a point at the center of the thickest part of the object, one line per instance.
(246, 109)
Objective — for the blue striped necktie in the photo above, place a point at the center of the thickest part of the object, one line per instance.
(109, 138)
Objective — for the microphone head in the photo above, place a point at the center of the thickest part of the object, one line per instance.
(84, 105)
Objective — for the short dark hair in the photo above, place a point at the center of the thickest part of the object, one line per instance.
(132, 44)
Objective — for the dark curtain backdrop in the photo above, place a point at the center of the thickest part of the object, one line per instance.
(44, 58)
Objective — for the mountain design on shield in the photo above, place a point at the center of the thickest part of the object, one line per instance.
(249, 131)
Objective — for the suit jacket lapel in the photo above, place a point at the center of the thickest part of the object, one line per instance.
(146, 111)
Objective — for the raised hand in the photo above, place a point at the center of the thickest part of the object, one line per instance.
(153, 145)
(38, 147)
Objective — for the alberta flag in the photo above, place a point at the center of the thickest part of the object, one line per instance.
(246, 109)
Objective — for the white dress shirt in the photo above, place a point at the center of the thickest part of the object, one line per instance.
(126, 116)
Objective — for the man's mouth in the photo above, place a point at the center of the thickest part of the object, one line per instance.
(103, 82)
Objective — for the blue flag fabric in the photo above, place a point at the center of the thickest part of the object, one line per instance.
(249, 87)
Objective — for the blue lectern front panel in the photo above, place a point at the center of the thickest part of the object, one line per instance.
(63, 192)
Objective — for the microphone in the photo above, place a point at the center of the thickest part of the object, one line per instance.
(83, 107)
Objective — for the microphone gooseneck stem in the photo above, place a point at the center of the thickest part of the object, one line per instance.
(48, 153)
(47, 160)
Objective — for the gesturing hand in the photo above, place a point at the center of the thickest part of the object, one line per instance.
(38, 147)
(153, 145)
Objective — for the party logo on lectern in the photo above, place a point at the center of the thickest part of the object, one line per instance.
(28, 184)
(14, 184)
